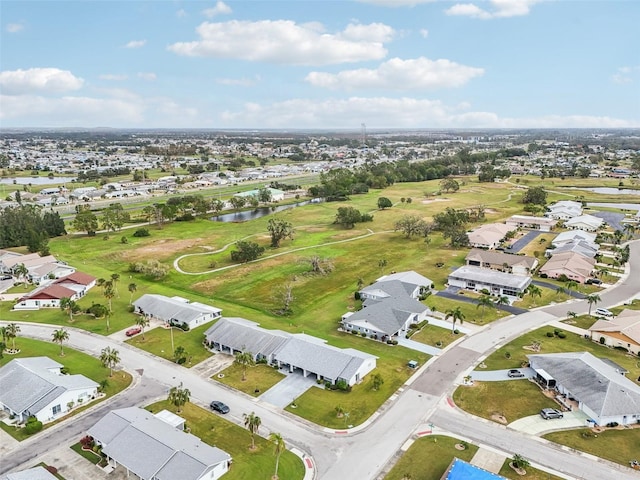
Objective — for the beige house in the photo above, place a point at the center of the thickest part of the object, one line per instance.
(575, 266)
(621, 331)
(504, 262)
(489, 236)
(535, 223)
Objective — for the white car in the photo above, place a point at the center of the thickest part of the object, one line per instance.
(603, 312)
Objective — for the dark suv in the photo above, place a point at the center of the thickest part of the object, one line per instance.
(219, 407)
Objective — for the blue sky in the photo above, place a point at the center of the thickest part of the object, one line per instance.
(320, 64)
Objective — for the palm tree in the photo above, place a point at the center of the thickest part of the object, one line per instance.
(502, 300)
(280, 447)
(179, 396)
(483, 302)
(252, 422)
(11, 332)
(109, 357)
(60, 336)
(456, 315)
(21, 271)
(560, 291)
(244, 359)
(114, 281)
(629, 229)
(132, 288)
(519, 461)
(572, 285)
(108, 292)
(592, 300)
(534, 291)
(142, 321)
(69, 306)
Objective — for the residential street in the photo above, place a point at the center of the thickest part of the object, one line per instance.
(363, 453)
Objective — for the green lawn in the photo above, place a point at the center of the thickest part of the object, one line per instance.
(259, 378)
(532, 473)
(21, 288)
(572, 343)
(77, 363)
(429, 457)
(471, 311)
(247, 464)
(435, 336)
(89, 455)
(548, 296)
(158, 342)
(619, 446)
(581, 321)
(513, 399)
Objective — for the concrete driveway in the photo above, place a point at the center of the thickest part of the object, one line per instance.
(287, 390)
(536, 425)
(419, 347)
(500, 375)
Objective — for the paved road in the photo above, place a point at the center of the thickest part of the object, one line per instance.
(456, 296)
(614, 219)
(361, 454)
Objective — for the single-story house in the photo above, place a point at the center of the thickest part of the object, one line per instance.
(504, 262)
(296, 352)
(574, 236)
(535, 223)
(175, 310)
(587, 223)
(276, 195)
(575, 266)
(46, 272)
(601, 390)
(47, 296)
(30, 260)
(622, 330)
(6, 255)
(152, 449)
(36, 386)
(489, 235)
(35, 473)
(564, 210)
(582, 247)
(409, 283)
(79, 282)
(498, 283)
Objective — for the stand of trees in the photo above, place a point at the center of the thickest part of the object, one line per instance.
(29, 225)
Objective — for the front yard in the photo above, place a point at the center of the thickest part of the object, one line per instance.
(259, 379)
(435, 336)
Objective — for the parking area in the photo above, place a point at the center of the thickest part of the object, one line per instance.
(524, 241)
(287, 390)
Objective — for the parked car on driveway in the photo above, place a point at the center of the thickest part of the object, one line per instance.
(593, 281)
(133, 331)
(548, 413)
(218, 406)
(603, 312)
(515, 373)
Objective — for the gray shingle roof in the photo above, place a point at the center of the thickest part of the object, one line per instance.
(28, 383)
(499, 258)
(592, 381)
(36, 473)
(387, 315)
(166, 308)
(483, 275)
(246, 336)
(152, 448)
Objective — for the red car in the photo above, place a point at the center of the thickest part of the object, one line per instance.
(133, 331)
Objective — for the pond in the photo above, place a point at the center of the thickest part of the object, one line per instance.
(44, 180)
(260, 212)
(610, 190)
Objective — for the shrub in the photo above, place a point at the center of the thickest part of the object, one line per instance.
(33, 426)
(124, 240)
(456, 331)
(612, 424)
(550, 334)
(544, 275)
(187, 217)
(562, 335)
(97, 310)
(51, 469)
(141, 232)
(87, 441)
(343, 385)
(184, 327)
(556, 331)
(363, 335)
(623, 349)
(356, 295)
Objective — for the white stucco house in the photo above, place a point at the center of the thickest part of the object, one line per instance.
(599, 386)
(47, 296)
(489, 236)
(543, 224)
(153, 448)
(35, 386)
(564, 210)
(587, 223)
(175, 310)
(497, 283)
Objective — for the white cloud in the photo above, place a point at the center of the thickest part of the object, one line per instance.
(424, 32)
(181, 13)
(148, 76)
(220, 8)
(625, 75)
(46, 80)
(398, 74)
(14, 27)
(285, 42)
(239, 82)
(396, 3)
(136, 44)
(113, 77)
(499, 9)
(384, 112)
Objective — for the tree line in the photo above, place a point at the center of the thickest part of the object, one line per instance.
(29, 225)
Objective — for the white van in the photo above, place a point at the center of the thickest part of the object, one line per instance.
(603, 312)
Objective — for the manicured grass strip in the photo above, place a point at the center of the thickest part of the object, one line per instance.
(77, 363)
(247, 464)
(472, 313)
(582, 321)
(158, 342)
(435, 336)
(513, 399)
(259, 378)
(428, 458)
(89, 455)
(619, 446)
(572, 343)
(532, 473)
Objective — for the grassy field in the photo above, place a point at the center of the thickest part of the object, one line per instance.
(532, 473)
(581, 321)
(254, 464)
(572, 343)
(471, 311)
(77, 363)
(512, 399)
(158, 342)
(619, 446)
(259, 378)
(428, 458)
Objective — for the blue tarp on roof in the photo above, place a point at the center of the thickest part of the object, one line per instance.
(461, 470)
